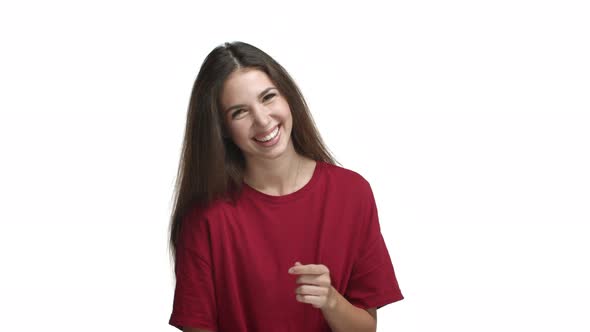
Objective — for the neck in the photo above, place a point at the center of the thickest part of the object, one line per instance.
(277, 176)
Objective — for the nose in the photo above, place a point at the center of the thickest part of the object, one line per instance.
(261, 116)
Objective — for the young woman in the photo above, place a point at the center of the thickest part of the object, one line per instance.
(267, 232)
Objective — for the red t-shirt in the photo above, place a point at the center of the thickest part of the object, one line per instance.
(232, 261)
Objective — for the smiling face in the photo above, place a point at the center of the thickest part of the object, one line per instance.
(256, 115)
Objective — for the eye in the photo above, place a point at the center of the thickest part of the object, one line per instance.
(236, 113)
(269, 96)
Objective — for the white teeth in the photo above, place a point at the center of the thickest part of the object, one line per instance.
(269, 136)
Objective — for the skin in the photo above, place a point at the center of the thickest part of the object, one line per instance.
(272, 170)
(256, 115)
(316, 287)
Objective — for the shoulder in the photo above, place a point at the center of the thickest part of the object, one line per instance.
(199, 214)
(345, 178)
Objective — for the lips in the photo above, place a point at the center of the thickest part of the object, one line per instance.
(266, 133)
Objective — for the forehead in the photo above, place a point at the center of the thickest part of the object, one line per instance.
(243, 84)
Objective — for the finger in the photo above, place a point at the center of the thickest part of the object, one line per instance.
(314, 300)
(311, 290)
(316, 269)
(311, 279)
(299, 269)
(309, 269)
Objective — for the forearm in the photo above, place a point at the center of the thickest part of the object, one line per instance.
(342, 316)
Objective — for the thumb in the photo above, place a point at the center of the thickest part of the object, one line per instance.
(298, 263)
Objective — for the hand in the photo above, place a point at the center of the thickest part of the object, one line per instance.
(316, 286)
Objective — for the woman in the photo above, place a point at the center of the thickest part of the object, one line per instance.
(267, 232)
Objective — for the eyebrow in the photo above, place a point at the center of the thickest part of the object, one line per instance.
(243, 105)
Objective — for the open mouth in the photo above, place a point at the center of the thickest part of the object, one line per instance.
(269, 137)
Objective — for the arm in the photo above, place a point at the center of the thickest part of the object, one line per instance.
(342, 316)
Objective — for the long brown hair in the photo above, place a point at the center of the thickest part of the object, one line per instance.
(211, 166)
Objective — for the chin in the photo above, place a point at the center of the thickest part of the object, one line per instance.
(274, 154)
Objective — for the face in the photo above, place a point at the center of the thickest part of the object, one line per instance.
(257, 116)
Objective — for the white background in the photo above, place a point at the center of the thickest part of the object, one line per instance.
(470, 119)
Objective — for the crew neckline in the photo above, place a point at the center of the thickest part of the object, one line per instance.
(288, 197)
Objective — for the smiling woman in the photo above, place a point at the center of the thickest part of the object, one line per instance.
(261, 124)
(267, 232)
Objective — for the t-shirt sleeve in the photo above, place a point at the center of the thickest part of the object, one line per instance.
(373, 283)
(194, 295)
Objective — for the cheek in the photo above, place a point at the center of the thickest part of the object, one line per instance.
(285, 111)
(289, 118)
(239, 130)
